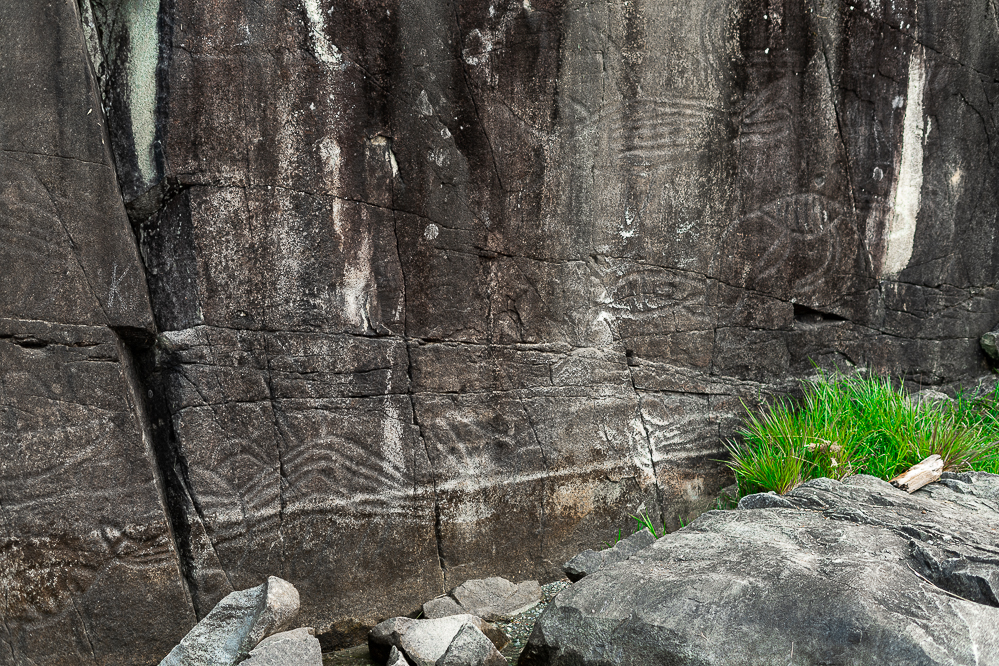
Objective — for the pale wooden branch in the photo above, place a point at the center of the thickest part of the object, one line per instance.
(920, 474)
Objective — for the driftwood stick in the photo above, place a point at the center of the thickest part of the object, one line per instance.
(920, 474)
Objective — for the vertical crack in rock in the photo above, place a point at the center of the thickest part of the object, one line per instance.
(279, 437)
(648, 439)
(839, 125)
(83, 626)
(438, 528)
(175, 521)
(541, 449)
(475, 105)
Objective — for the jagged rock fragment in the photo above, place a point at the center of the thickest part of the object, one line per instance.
(497, 598)
(234, 627)
(442, 607)
(425, 641)
(470, 647)
(287, 648)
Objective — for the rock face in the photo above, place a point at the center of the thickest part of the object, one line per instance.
(434, 291)
(89, 568)
(857, 572)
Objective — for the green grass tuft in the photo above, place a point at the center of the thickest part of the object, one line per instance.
(861, 425)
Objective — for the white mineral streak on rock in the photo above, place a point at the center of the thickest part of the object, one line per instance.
(357, 283)
(423, 104)
(909, 181)
(142, 62)
(326, 52)
(392, 449)
(329, 151)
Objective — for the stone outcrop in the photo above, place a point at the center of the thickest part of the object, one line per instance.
(89, 568)
(403, 295)
(855, 572)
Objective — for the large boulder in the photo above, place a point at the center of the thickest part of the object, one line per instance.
(857, 572)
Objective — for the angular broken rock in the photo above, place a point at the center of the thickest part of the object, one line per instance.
(591, 561)
(470, 647)
(442, 607)
(423, 642)
(395, 658)
(988, 343)
(237, 623)
(854, 572)
(494, 599)
(288, 648)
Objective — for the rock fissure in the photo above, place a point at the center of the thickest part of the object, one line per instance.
(140, 396)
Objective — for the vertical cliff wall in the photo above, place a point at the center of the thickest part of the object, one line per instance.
(409, 293)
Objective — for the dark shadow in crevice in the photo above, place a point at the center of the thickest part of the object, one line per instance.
(805, 316)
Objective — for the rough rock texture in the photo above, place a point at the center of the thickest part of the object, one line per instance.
(497, 598)
(591, 561)
(857, 572)
(426, 641)
(449, 289)
(287, 648)
(441, 607)
(89, 570)
(470, 647)
(236, 625)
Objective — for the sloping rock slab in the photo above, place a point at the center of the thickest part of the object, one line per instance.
(852, 573)
(591, 561)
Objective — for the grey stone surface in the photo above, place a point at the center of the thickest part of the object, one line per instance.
(425, 641)
(497, 598)
(856, 572)
(89, 570)
(988, 343)
(591, 561)
(442, 607)
(929, 398)
(236, 625)
(447, 290)
(470, 647)
(770, 500)
(298, 647)
(395, 658)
